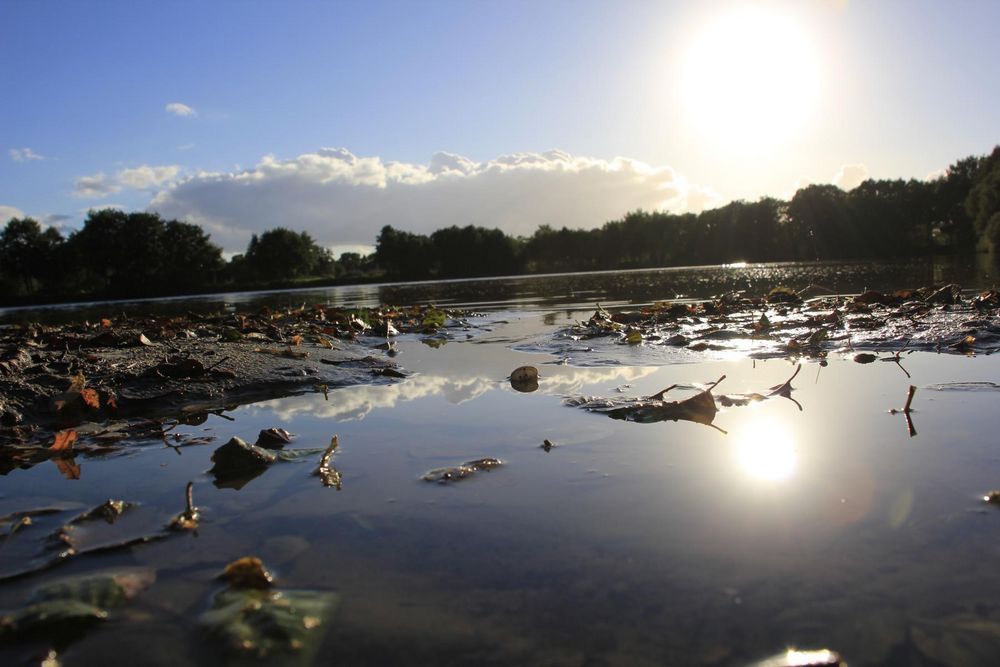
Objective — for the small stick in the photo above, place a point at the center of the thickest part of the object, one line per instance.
(909, 399)
(191, 512)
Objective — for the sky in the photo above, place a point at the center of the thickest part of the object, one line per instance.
(340, 117)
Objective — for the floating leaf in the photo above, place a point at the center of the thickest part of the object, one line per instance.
(456, 473)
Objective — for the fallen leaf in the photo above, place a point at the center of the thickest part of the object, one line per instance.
(91, 399)
(63, 441)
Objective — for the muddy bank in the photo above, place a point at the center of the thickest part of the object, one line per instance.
(132, 370)
(786, 323)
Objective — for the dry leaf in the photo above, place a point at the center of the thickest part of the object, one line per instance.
(63, 441)
(91, 398)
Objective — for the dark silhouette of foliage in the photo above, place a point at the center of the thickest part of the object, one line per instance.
(27, 252)
(281, 254)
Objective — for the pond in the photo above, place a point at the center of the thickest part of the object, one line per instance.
(827, 522)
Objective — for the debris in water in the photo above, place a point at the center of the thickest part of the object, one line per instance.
(456, 473)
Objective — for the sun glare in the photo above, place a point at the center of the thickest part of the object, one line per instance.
(765, 450)
(749, 79)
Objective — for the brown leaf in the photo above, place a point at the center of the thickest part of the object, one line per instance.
(63, 441)
(106, 323)
(296, 340)
(91, 398)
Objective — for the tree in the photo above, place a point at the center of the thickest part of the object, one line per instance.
(281, 254)
(26, 252)
(403, 254)
(190, 260)
(983, 200)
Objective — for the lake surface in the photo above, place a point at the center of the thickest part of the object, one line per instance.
(825, 527)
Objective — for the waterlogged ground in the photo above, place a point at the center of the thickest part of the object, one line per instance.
(836, 526)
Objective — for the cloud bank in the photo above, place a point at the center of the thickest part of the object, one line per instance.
(143, 177)
(180, 109)
(342, 199)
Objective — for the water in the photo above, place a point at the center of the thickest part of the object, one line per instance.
(666, 543)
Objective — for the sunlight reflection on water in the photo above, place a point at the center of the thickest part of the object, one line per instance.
(765, 450)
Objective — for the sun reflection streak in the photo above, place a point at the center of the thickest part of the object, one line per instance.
(765, 450)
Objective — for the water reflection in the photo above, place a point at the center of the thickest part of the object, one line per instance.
(355, 403)
(765, 450)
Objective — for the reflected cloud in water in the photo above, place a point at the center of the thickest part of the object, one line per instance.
(355, 403)
(765, 450)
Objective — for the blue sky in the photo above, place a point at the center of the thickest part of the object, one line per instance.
(538, 112)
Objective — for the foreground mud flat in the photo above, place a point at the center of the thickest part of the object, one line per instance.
(115, 375)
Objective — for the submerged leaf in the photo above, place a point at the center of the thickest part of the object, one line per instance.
(267, 623)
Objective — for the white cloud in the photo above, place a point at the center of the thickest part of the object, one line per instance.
(24, 155)
(180, 109)
(8, 212)
(850, 176)
(143, 177)
(343, 199)
(98, 185)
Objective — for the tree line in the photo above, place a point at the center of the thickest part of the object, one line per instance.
(119, 254)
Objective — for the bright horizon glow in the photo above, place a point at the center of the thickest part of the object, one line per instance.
(749, 80)
(765, 450)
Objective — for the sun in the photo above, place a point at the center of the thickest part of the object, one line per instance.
(749, 79)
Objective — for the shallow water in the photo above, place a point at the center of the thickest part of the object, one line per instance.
(625, 544)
